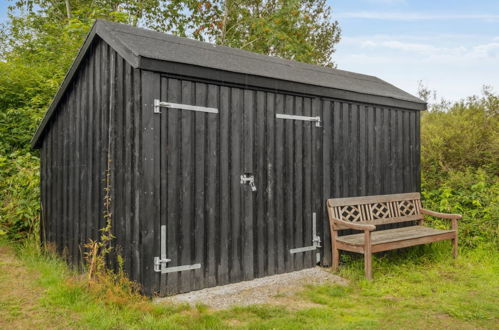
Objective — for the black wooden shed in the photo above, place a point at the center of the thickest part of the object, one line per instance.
(220, 160)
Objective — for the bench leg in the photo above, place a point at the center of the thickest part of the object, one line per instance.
(368, 266)
(454, 247)
(336, 259)
(454, 241)
(367, 255)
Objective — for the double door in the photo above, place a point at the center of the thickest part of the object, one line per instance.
(238, 194)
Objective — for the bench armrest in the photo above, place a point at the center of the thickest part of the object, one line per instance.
(441, 215)
(351, 225)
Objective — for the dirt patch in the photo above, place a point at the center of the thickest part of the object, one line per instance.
(275, 290)
(19, 308)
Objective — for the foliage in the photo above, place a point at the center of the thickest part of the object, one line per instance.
(475, 195)
(298, 29)
(19, 210)
(460, 136)
(460, 165)
(97, 251)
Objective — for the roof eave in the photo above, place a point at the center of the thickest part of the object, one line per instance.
(243, 79)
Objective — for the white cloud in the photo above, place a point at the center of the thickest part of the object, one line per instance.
(456, 67)
(402, 16)
(428, 50)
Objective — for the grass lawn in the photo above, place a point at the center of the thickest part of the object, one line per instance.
(418, 288)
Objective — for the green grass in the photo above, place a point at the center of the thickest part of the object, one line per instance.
(420, 287)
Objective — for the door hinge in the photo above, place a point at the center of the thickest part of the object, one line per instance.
(158, 105)
(316, 239)
(160, 262)
(316, 119)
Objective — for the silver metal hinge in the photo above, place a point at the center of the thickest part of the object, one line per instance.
(316, 239)
(160, 262)
(317, 119)
(158, 105)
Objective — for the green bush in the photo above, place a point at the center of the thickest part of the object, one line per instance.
(475, 195)
(459, 161)
(19, 189)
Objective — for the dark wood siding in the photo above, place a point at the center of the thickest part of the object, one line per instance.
(98, 112)
(367, 150)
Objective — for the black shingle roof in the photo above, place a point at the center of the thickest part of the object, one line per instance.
(161, 46)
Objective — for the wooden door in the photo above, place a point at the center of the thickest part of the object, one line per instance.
(280, 144)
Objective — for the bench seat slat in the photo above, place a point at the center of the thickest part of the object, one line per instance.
(393, 235)
(374, 199)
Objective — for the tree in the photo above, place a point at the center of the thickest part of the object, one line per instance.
(301, 30)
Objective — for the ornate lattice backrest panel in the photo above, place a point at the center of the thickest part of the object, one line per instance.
(377, 209)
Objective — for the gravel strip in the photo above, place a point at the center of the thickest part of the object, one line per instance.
(265, 290)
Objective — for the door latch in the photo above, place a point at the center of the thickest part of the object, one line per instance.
(249, 180)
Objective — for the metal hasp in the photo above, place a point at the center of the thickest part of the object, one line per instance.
(249, 180)
(316, 240)
(317, 119)
(158, 105)
(160, 262)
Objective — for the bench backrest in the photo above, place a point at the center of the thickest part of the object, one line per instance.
(376, 210)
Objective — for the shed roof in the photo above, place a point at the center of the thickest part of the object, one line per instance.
(137, 45)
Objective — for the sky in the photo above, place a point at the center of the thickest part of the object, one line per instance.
(452, 46)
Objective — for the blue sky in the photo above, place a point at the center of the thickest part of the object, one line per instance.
(452, 46)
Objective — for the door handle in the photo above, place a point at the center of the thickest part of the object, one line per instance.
(249, 180)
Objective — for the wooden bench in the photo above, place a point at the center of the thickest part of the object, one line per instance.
(365, 213)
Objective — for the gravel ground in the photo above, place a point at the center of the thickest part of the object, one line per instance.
(266, 290)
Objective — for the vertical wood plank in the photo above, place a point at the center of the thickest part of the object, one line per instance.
(261, 222)
(137, 177)
(128, 167)
(378, 127)
(149, 214)
(387, 161)
(90, 117)
(96, 177)
(235, 161)
(354, 151)
(224, 252)
(270, 184)
(289, 182)
(117, 160)
(72, 187)
(328, 172)
(307, 166)
(371, 158)
(363, 151)
(297, 197)
(337, 150)
(248, 202)
(199, 186)
(279, 185)
(170, 91)
(186, 198)
(212, 227)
